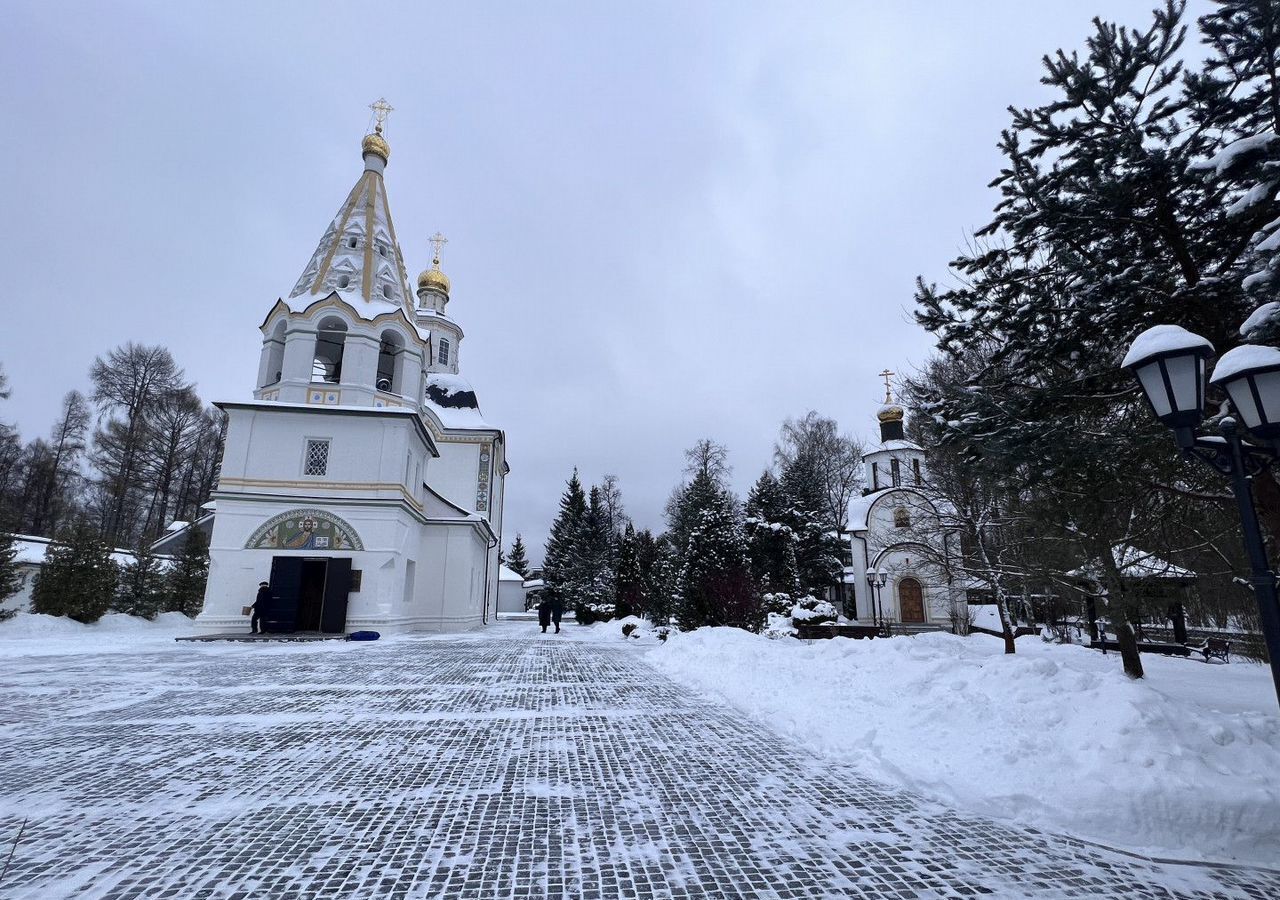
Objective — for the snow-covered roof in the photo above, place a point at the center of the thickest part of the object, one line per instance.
(1135, 563)
(533, 583)
(358, 258)
(1162, 339)
(507, 574)
(453, 401)
(860, 508)
(893, 444)
(1244, 358)
(30, 550)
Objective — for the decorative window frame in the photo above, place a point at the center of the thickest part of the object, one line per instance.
(307, 444)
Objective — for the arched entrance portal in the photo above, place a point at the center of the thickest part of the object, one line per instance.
(910, 601)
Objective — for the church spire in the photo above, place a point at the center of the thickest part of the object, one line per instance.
(359, 257)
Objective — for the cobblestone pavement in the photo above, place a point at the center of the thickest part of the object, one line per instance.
(504, 764)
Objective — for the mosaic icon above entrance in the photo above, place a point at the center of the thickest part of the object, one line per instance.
(305, 529)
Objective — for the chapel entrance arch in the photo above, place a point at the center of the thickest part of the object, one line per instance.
(910, 601)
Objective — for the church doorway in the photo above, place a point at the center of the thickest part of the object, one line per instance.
(910, 601)
(308, 594)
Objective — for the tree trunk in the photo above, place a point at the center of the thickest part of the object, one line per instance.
(1128, 647)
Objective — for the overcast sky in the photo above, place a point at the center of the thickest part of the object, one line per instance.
(665, 220)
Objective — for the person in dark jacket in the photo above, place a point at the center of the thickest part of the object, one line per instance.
(259, 604)
(544, 614)
(557, 610)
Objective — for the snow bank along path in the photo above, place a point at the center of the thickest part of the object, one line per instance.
(495, 764)
(1184, 763)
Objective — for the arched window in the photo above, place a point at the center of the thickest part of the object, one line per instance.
(331, 339)
(901, 517)
(443, 356)
(390, 362)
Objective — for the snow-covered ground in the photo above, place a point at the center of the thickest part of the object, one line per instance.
(35, 634)
(1185, 762)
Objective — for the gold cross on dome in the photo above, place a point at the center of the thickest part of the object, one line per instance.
(437, 241)
(886, 375)
(381, 109)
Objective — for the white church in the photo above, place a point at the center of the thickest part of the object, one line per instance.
(361, 481)
(905, 558)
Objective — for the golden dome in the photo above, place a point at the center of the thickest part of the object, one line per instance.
(434, 278)
(375, 143)
(890, 412)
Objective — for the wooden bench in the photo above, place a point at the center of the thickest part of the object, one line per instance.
(1215, 648)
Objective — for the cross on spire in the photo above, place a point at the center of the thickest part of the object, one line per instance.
(381, 109)
(886, 375)
(437, 241)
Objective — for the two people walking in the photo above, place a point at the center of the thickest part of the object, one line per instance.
(550, 611)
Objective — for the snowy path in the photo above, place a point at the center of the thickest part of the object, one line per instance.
(506, 764)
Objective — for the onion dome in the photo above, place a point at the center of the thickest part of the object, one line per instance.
(434, 279)
(890, 412)
(376, 144)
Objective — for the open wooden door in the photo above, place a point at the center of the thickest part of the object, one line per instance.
(281, 614)
(333, 617)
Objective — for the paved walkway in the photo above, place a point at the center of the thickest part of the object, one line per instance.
(498, 765)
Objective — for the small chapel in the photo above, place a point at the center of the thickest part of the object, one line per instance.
(361, 482)
(904, 558)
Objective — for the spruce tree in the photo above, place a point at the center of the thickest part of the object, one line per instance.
(185, 583)
(561, 569)
(631, 587)
(517, 559)
(10, 576)
(141, 591)
(595, 563)
(78, 578)
(771, 542)
(715, 585)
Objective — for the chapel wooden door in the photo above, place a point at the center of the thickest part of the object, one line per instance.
(281, 614)
(910, 601)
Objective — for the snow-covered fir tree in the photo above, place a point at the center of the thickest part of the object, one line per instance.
(631, 589)
(771, 544)
(186, 580)
(595, 563)
(561, 570)
(10, 577)
(518, 560)
(142, 587)
(78, 578)
(715, 586)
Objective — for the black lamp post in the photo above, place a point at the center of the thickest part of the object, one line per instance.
(876, 580)
(1169, 363)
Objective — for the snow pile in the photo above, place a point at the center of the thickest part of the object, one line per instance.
(28, 634)
(1185, 762)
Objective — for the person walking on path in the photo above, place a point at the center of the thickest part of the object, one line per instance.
(557, 610)
(259, 604)
(544, 614)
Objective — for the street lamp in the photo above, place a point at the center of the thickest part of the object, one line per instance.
(876, 580)
(1169, 363)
